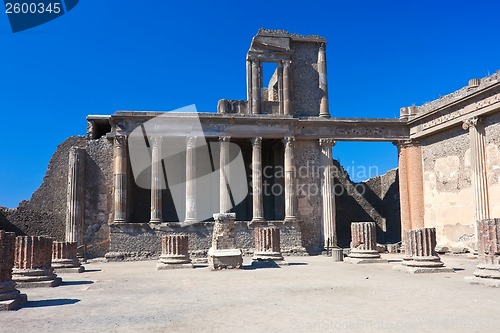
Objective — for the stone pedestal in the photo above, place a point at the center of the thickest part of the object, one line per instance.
(267, 245)
(174, 252)
(420, 253)
(10, 297)
(33, 263)
(488, 268)
(223, 253)
(64, 258)
(363, 244)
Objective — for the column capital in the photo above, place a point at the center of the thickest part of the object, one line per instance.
(406, 143)
(224, 138)
(257, 141)
(322, 46)
(156, 140)
(120, 140)
(288, 141)
(327, 142)
(286, 63)
(191, 141)
(471, 122)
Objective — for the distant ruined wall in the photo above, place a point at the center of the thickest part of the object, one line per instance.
(45, 213)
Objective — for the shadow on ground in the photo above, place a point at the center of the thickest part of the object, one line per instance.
(75, 283)
(50, 302)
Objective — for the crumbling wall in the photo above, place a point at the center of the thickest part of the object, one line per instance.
(305, 92)
(45, 213)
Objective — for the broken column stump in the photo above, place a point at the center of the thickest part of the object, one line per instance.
(420, 253)
(223, 253)
(364, 244)
(64, 258)
(488, 268)
(174, 252)
(33, 263)
(267, 245)
(10, 297)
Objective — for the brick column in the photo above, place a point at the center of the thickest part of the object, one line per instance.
(363, 244)
(64, 259)
(267, 244)
(489, 250)
(223, 253)
(120, 178)
(174, 252)
(10, 297)
(420, 251)
(33, 262)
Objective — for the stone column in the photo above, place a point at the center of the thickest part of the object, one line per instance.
(488, 269)
(328, 194)
(363, 244)
(411, 185)
(120, 178)
(64, 259)
(190, 180)
(174, 252)
(479, 177)
(249, 84)
(290, 186)
(287, 103)
(267, 244)
(258, 206)
(75, 195)
(323, 82)
(420, 250)
(157, 181)
(223, 253)
(280, 87)
(225, 197)
(33, 263)
(10, 297)
(256, 86)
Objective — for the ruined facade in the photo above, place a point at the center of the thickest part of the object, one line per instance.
(115, 198)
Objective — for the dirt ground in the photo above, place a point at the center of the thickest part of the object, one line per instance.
(313, 294)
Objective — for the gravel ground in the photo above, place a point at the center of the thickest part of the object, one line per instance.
(313, 294)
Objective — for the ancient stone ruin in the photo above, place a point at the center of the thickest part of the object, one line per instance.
(267, 245)
(10, 297)
(64, 258)
(174, 252)
(364, 244)
(223, 253)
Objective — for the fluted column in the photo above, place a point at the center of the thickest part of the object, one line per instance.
(323, 82)
(120, 178)
(478, 164)
(488, 249)
(10, 298)
(190, 180)
(290, 186)
(256, 86)
(363, 240)
(249, 84)
(328, 194)
(33, 262)
(225, 197)
(64, 259)
(75, 199)
(157, 180)
(267, 243)
(287, 103)
(258, 206)
(174, 252)
(420, 250)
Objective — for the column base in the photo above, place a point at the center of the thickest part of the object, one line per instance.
(34, 278)
(40, 284)
(267, 256)
(484, 281)
(291, 219)
(258, 220)
(324, 115)
(263, 263)
(488, 271)
(364, 254)
(67, 266)
(337, 254)
(13, 304)
(163, 266)
(190, 221)
(225, 259)
(422, 270)
(79, 269)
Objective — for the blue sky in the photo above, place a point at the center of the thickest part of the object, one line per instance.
(113, 55)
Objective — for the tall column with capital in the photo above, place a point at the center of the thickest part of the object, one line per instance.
(290, 190)
(479, 178)
(287, 103)
(120, 178)
(258, 206)
(190, 180)
(328, 194)
(256, 86)
(75, 200)
(225, 198)
(156, 180)
(323, 82)
(249, 84)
